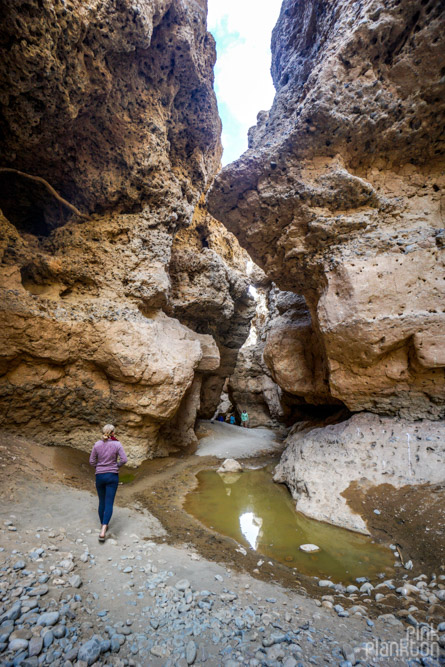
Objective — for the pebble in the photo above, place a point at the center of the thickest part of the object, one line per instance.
(48, 639)
(48, 618)
(35, 646)
(19, 565)
(351, 588)
(89, 651)
(309, 547)
(191, 652)
(75, 581)
(18, 645)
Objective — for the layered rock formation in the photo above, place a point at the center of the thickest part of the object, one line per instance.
(112, 104)
(340, 200)
(339, 197)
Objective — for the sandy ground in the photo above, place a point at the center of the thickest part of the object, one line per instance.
(231, 441)
(38, 496)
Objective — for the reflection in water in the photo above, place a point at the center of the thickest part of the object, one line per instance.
(250, 527)
(260, 514)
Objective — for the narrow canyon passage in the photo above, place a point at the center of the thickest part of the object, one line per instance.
(285, 310)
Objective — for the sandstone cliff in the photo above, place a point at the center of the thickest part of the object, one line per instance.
(340, 200)
(112, 104)
(339, 197)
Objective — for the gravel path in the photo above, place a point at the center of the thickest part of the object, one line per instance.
(68, 600)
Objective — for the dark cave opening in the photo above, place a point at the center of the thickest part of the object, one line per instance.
(29, 206)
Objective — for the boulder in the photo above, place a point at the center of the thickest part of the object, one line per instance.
(230, 465)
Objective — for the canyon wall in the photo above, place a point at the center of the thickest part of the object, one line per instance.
(119, 312)
(339, 199)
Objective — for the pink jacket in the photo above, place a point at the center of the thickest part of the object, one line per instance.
(105, 456)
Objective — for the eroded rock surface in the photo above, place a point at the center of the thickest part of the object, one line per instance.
(339, 199)
(319, 465)
(280, 374)
(113, 105)
(210, 293)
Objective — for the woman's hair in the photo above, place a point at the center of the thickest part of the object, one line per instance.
(107, 431)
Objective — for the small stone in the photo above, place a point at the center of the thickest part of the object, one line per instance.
(89, 652)
(230, 465)
(12, 614)
(127, 569)
(40, 590)
(309, 547)
(35, 646)
(75, 581)
(115, 645)
(190, 652)
(59, 631)
(48, 618)
(48, 639)
(182, 584)
(19, 565)
(377, 512)
(18, 645)
(351, 588)
(105, 645)
(71, 655)
(326, 583)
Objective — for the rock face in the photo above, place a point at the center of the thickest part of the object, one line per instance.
(210, 293)
(338, 199)
(112, 104)
(319, 465)
(280, 374)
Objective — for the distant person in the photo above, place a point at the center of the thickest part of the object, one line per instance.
(232, 419)
(220, 418)
(107, 456)
(244, 419)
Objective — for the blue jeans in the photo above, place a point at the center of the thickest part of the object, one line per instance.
(106, 486)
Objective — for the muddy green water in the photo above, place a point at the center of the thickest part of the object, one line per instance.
(260, 515)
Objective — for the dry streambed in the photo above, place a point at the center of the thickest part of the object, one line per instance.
(162, 600)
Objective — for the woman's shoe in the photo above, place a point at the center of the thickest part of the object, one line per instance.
(102, 538)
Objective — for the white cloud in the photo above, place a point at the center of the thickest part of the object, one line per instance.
(242, 29)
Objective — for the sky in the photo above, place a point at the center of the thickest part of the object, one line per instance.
(243, 85)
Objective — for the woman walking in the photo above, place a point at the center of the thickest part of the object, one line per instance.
(104, 457)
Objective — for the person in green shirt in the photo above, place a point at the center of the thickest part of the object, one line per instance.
(244, 419)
